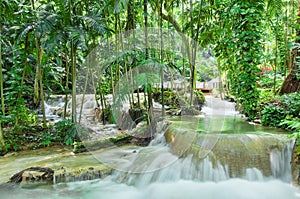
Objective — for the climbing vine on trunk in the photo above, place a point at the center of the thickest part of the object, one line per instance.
(245, 31)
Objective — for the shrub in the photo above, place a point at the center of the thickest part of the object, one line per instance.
(66, 129)
(292, 124)
(171, 98)
(199, 98)
(272, 115)
(267, 80)
(291, 103)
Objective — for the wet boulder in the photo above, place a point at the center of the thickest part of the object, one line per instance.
(33, 176)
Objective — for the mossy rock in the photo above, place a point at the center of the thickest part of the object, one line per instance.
(80, 147)
(33, 176)
(99, 171)
(137, 114)
(199, 98)
(3, 152)
(171, 98)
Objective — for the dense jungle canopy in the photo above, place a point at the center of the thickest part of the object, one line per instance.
(253, 47)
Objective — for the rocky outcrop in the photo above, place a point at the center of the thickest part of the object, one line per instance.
(36, 176)
(296, 163)
(140, 136)
(64, 175)
(33, 175)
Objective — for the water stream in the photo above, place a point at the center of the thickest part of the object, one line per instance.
(216, 156)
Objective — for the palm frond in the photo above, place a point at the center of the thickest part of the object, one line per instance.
(47, 22)
(94, 22)
(25, 31)
(274, 7)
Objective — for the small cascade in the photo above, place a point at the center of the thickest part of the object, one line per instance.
(218, 156)
(270, 159)
(281, 162)
(56, 103)
(215, 148)
(218, 107)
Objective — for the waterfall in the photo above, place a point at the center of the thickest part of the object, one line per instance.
(156, 163)
(281, 162)
(218, 156)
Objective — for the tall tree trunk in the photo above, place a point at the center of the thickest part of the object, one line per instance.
(275, 63)
(67, 86)
(39, 79)
(192, 65)
(41, 52)
(1, 75)
(69, 22)
(24, 68)
(2, 142)
(292, 82)
(36, 97)
(84, 91)
(118, 32)
(146, 28)
(38, 83)
(194, 53)
(130, 24)
(161, 58)
(148, 87)
(73, 67)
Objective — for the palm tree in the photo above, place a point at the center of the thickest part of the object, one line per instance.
(80, 26)
(191, 45)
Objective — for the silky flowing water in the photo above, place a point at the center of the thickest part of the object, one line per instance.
(216, 156)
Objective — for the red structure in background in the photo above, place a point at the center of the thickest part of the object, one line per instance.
(265, 69)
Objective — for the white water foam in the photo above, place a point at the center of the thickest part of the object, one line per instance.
(107, 189)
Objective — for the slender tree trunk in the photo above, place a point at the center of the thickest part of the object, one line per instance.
(183, 53)
(36, 97)
(2, 142)
(84, 92)
(161, 59)
(69, 22)
(220, 80)
(1, 75)
(148, 87)
(38, 83)
(137, 86)
(275, 64)
(194, 53)
(67, 86)
(146, 28)
(192, 66)
(73, 66)
(39, 79)
(41, 52)
(130, 24)
(286, 54)
(111, 72)
(117, 76)
(24, 69)
(102, 98)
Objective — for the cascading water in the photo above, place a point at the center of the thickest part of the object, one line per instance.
(143, 174)
(215, 157)
(269, 159)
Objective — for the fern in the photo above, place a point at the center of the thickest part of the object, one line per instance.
(293, 124)
(274, 7)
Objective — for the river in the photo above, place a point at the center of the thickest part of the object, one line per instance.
(218, 156)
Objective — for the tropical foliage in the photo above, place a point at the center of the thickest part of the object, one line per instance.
(253, 46)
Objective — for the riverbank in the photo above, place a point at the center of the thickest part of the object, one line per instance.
(67, 165)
